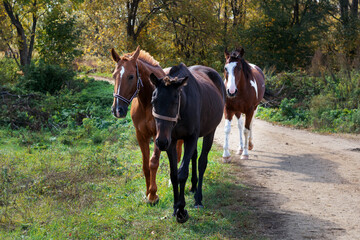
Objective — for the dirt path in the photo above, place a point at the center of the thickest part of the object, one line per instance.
(303, 185)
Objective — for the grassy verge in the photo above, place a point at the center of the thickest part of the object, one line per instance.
(83, 180)
(327, 103)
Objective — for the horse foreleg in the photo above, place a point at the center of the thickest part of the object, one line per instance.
(227, 129)
(154, 164)
(240, 126)
(145, 150)
(171, 152)
(189, 148)
(203, 160)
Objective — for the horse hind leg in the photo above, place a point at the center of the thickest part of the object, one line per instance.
(227, 129)
(251, 145)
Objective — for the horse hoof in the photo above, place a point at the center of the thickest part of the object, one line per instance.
(182, 217)
(251, 146)
(244, 157)
(239, 152)
(198, 206)
(193, 190)
(227, 159)
(152, 202)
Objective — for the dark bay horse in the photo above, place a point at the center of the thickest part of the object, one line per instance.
(245, 87)
(132, 84)
(187, 104)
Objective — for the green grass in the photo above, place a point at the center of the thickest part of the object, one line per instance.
(88, 191)
(86, 182)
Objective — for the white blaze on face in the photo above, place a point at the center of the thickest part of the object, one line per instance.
(231, 85)
(122, 71)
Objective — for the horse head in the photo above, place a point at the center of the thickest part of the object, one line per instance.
(127, 81)
(166, 101)
(232, 70)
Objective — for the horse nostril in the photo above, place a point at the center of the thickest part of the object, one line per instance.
(231, 94)
(162, 145)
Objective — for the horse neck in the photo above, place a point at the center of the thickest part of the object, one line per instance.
(145, 93)
(243, 84)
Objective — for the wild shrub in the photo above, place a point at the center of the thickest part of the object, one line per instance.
(8, 69)
(45, 78)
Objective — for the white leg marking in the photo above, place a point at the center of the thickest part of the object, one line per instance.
(245, 153)
(240, 126)
(227, 129)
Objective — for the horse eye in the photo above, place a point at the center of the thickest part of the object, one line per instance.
(131, 77)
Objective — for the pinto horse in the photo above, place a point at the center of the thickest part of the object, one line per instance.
(245, 87)
(187, 104)
(132, 84)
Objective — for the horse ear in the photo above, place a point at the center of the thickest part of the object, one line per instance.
(154, 80)
(115, 55)
(182, 81)
(242, 52)
(136, 53)
(226, 53)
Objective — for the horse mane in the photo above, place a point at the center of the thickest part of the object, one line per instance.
(145, 56)
(168, 81)
(246, 69)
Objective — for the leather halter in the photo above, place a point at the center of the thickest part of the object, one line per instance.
(138, 85)
(166, 118)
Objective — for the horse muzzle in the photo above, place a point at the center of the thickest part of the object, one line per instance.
(231, 95)
(163, 144)
(119, 112)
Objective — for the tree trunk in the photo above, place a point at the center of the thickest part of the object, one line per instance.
(344, 11)
(25, 50)
(296, 13)
(354, 9)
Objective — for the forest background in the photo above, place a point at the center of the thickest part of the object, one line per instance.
(69, 169)
(309, 49)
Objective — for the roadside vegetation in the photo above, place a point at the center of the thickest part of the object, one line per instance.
(322, 103)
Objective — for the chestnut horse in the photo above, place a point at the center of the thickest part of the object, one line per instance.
(132, 84)
(187, 104)
(245, 87)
